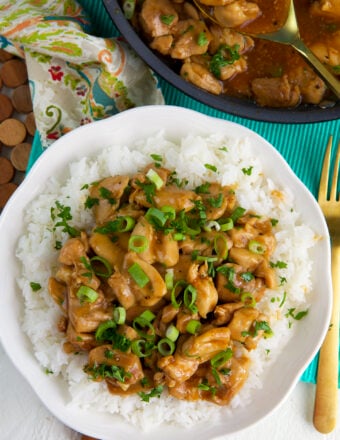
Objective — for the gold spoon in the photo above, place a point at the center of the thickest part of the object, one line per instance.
(289, 34)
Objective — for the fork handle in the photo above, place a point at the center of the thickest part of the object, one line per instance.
(326, 397)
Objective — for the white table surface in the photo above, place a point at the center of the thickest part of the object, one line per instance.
(23, 417)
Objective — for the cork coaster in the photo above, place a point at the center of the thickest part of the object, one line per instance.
(20, 155)
(6, 190)
(14, 73)
(21, 99)
(12, 132)
(6, 107)
(6, 170)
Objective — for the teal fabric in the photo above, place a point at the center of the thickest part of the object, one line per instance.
(302, 145)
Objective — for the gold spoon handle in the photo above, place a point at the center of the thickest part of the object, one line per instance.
(326, 75)
(326, 398)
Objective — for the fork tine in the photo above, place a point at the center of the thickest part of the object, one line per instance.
(335, 175)
(323, 188)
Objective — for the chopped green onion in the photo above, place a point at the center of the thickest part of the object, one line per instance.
(156, 217)
(169, 279)
(170, 212)
(226, 224)
(166, 347)
(120, 224)
(178, 236)
(105, 263)
(155, 178)
(129, 8)
(210, 167)
(179, 284)
(212, 225)
(221, 358)
(138, 243)
(172, 333)
(138, 275)
(248, 299)
(86, 294)
(144, 328)
(221, 246)
(237, 213)
(119, 315)
(104, 330)
(206, 258)
(189, 298)
(256, 247)
(148, 315)
(193, 326)
(142, 348)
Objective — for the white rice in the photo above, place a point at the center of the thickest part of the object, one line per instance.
(256, 192)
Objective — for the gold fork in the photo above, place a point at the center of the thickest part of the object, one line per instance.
(326, 398)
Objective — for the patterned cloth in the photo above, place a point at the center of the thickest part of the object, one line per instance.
(75, 77)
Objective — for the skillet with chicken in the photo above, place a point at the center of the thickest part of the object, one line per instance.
(163, 292)
(223, 59)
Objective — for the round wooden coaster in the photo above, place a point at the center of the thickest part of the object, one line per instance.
(12, 132)
(30, 123)
(6, 170)
(6, 190)
(20, 156)
(21, 99)
(14, 73)
(6, 107)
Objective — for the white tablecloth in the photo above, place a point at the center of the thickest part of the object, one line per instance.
(23, 417)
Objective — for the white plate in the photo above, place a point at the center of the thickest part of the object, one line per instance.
(127, 127)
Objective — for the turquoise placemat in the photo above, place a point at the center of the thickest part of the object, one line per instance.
(302, 145)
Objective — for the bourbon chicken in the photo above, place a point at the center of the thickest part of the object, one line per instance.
(220, 56)
(163, 292)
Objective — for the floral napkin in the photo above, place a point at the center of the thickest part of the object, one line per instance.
(75, 77)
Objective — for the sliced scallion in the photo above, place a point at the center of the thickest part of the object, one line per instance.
(105, 329)
(169, 279)
(166, 347)
(193, 326)
(172, 333)
(138, 275)
(86, 294)
(221, 358)
(144, 328)
(248, 299)
(119, 315)
(221, 246)
(138, 243)
(103, 262)
(226, 224)
(142, 348)
(155, 178)
(256, 247)
(189, 298)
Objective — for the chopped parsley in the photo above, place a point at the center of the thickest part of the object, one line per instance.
(35, 286)
(297, 316)
(107, 371)
(224, 56)
(279, 264)
(247, 171)
(155, 392)
(216, 202)
(107, 195)
(167, 19)
(202, 39)
(210, 167)
(63, 215)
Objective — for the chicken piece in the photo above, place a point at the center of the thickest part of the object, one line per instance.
(191, 37)
(215, 2)
(85, 316)
(222, 36)
(79, 341)
(103, 246)
(126, 289)
(237, 13)
(152, 17)
(64, 274)
(73, 253)
(58, 291)
(241, 237)
(162, 44)
(205, 346)
(326, 8)
(235, 280)
(327, 52)
(224, 312)
(189, 11)
(200, 76)
(248, 326)
(183, 318)
(312, 88)
(276, 92)
(218, 199)
(171, 195)
(162, 248)
(107, 194)
(248, 260)
(207, 295)
(178, 368)
(128, 369)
